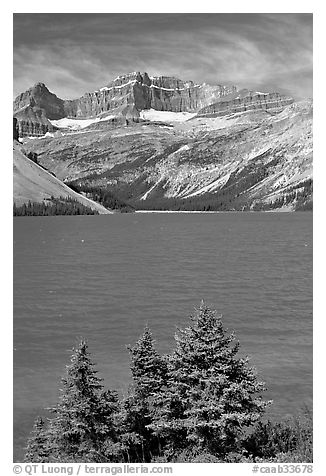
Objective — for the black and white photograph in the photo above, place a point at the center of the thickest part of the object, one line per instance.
(162, 241)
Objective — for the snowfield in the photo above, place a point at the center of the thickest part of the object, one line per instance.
(73, 124)
(165, 116)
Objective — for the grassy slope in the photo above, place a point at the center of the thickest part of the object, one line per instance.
(32, 182)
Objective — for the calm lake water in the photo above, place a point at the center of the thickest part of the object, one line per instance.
(106, 277)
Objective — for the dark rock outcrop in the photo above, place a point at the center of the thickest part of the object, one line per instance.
(15, 131)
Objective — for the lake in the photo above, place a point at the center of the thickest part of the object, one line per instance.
(106, 277)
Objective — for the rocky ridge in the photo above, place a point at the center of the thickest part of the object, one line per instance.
(133, 92)
(247, 100)
(126, 96)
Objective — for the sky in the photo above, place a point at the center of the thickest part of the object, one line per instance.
(77, 53)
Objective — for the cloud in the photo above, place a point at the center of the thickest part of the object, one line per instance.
(73, 54)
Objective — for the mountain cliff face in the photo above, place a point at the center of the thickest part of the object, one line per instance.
(143, 92)
(246, 101)
(124, 98)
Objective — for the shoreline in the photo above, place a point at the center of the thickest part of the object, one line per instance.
(216, 211)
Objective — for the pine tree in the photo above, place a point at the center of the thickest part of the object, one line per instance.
(211, 395)
(148, 371)
(83, 427)
(36, 450)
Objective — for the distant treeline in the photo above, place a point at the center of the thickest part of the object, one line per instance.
(203, 203)
(103, 196)
(57, 206)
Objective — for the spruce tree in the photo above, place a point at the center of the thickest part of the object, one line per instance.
(82, 429)
(37, 450)
(211, 396)
(148, 370)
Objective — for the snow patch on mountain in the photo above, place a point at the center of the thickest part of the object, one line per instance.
(106, 88)
(165, 116)
(144, 197)
(213, 186)
(74, 124)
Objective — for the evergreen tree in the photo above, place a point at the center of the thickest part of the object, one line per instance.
(83, 427)
(36, 450)
(211, 395)
(147, 367)
(148, 371)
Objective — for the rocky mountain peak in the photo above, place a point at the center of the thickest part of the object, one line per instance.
(38, 96)
(35, 108)
(129, 94)
(35, 92)
(39, 86)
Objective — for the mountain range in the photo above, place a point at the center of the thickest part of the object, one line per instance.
(163, 143)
